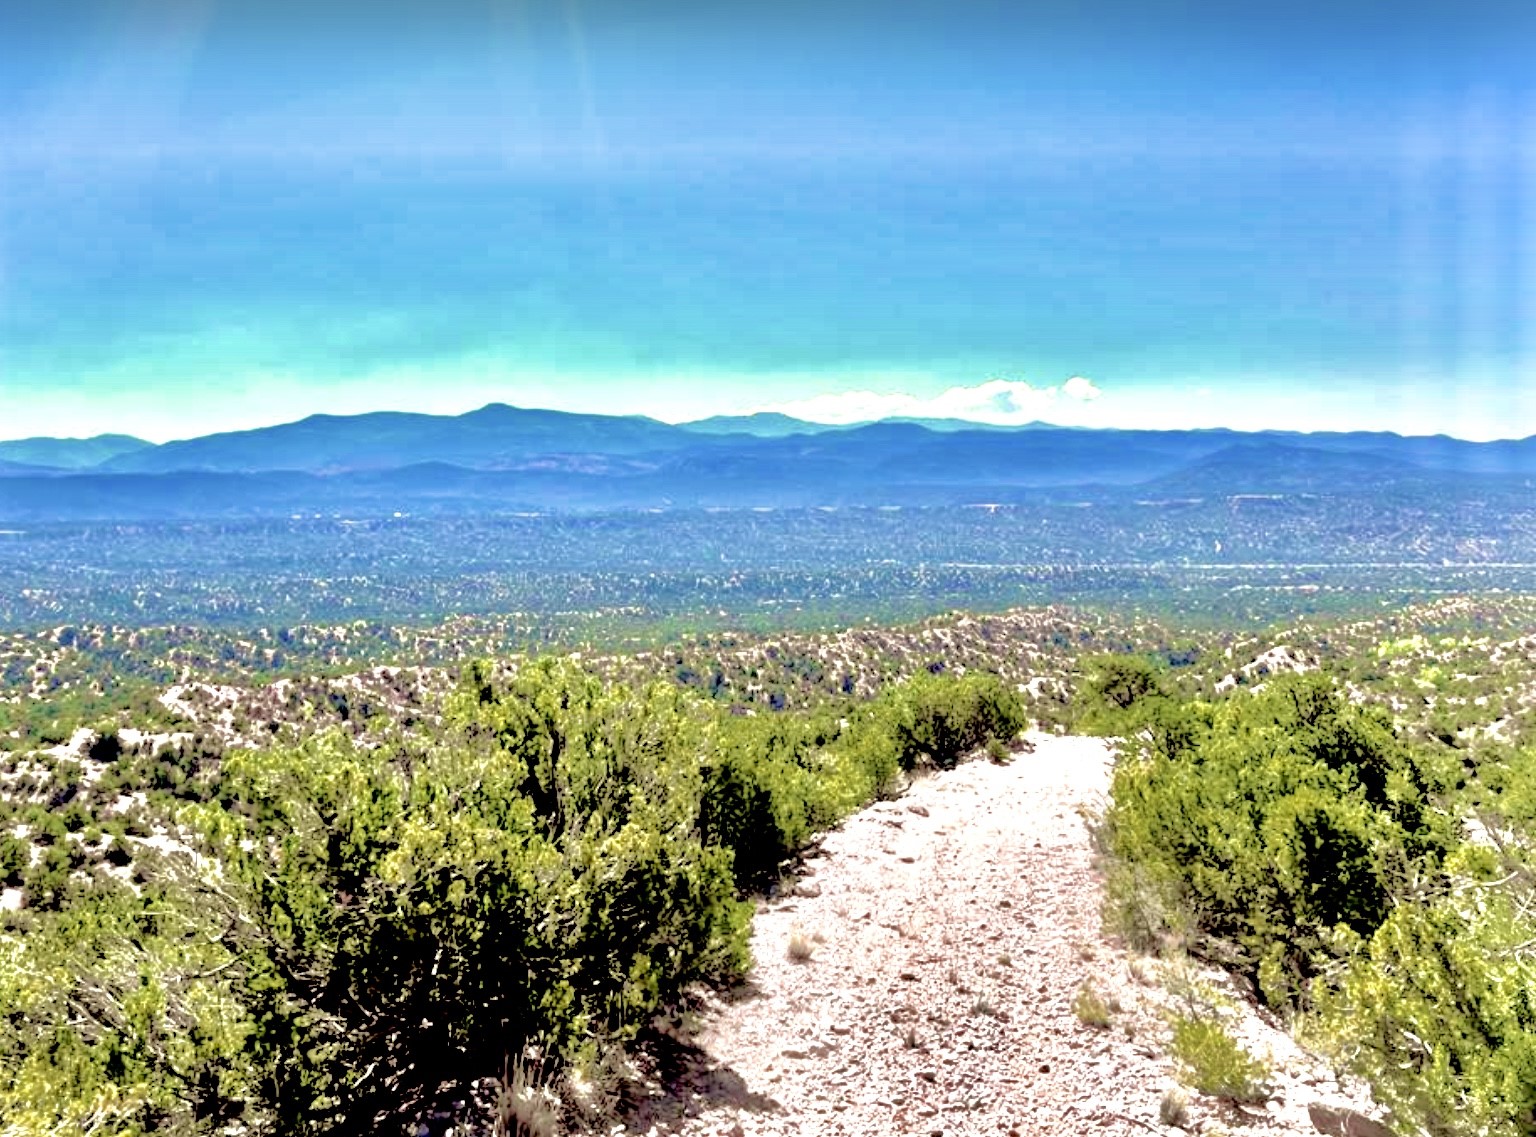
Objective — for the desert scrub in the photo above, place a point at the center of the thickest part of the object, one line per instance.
(801, 948)
(1213, 1062)
(539, 868)
(938, 719)
(1438, 1014)
(984, 1005)
(1266, 827)
(1091, 1008)
(1173, 1109)
(539, 865)
(524, 1106)
(1143, 907)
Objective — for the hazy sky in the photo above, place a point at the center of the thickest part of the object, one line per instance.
(1304, 215)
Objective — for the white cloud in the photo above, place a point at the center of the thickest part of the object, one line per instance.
(1079, 387)
(1001, 402)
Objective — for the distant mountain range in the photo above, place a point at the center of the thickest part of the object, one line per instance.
(764, 424)
(502, 458)
(68, 453)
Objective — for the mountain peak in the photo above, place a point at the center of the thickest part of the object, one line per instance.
(70, 453)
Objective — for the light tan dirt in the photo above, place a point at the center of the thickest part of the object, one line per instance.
(950, 931)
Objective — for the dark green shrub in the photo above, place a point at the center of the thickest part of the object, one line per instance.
(425, 913)
(1288, 820)
(939, 718)
(124, 1014)
(1439, 1013)
(105, 746)
(772, 781)
(15, 857)
(1113, 688)
(1436, 1009)
(75, 817)
(46, 881)
(755, 797)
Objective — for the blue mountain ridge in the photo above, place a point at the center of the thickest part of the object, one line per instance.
(504, 458)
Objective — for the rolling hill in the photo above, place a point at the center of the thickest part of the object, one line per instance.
(70, 453)
(494, 437)
(764, 424)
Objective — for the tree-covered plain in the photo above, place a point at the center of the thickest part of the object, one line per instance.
(611, 577)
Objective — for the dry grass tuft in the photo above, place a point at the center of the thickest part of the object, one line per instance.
(524, 1107)
(1090, 1008)
(801, 947)
(1173, 1110)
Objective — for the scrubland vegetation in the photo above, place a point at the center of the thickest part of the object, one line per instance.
(318, 899)
(319, 937)
(1373, 881)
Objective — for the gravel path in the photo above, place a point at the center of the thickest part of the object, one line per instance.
(949, 932)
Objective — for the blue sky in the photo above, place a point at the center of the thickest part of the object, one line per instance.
(219, 215)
